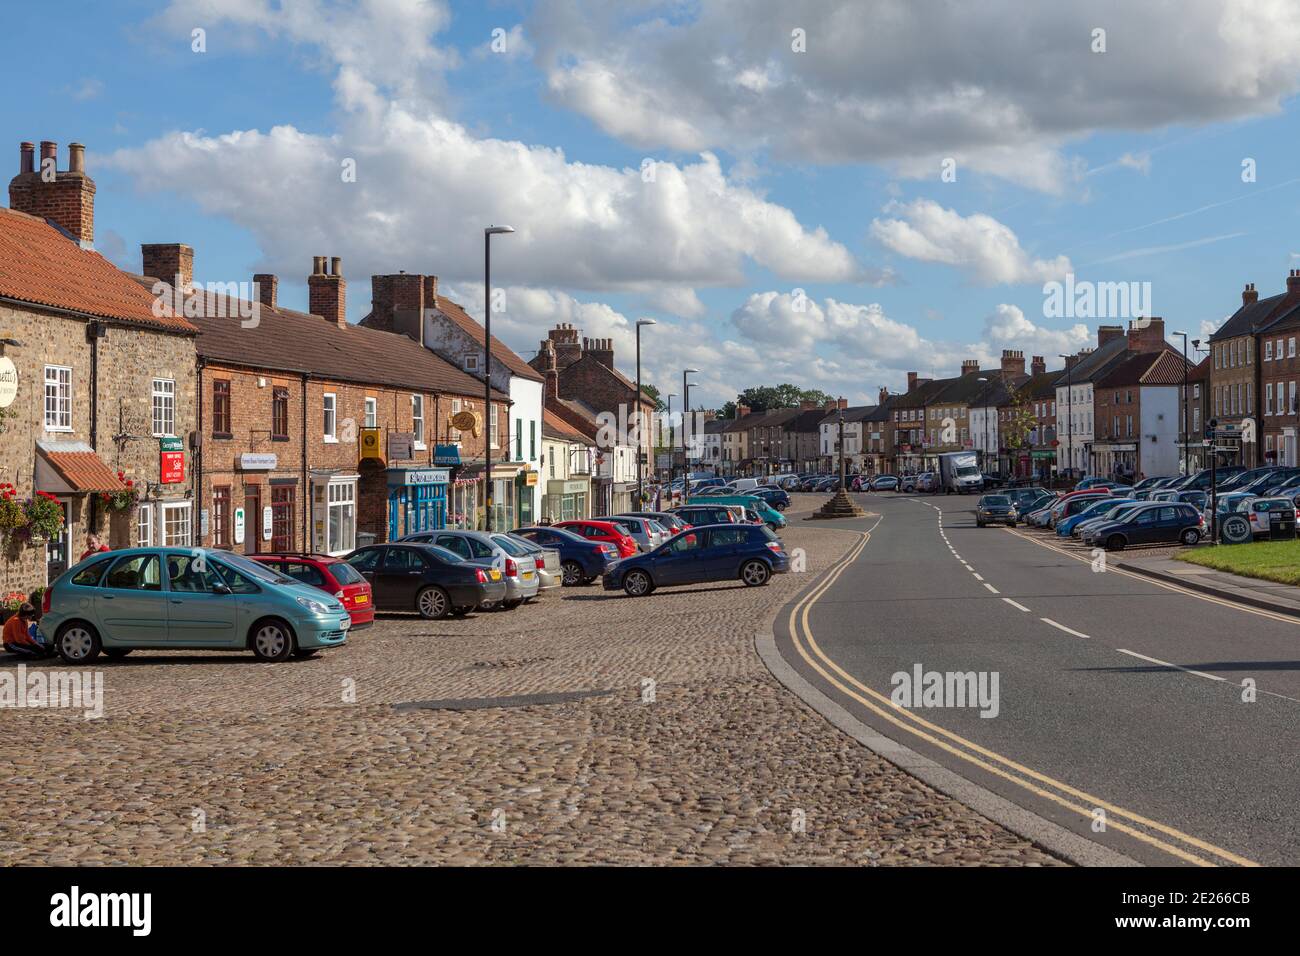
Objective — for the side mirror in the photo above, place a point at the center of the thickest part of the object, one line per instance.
(221, 588)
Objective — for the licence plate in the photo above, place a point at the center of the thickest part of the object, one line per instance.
(345, 623)
(528, 575)
(495, 575)
(361, 599)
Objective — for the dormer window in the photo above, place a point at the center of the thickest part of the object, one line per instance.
(471, 362)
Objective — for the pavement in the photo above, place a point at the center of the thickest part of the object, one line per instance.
(1156, 721)
(589, 728)
(1269, 595)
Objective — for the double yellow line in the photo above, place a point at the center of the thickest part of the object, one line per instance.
(1041, 785)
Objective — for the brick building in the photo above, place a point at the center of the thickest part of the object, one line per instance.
(1136, 411)
(98, 379)
(315, 431)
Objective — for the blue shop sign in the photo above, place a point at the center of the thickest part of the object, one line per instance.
(418, 476)
(446, 454)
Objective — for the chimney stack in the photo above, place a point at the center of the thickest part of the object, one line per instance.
(1013, 362)
(1072, 360)
(1149, 337)
(1106, 333)
(1293, 282)
(327, 291)
(884, 395)
(430, 292)
(911, 382)
(567, 347)
(970, 365)
(172, 262)
(1038, 365)
(1248, 295)
(741, 410)
(843, 403)
(67, 200)
(267, 289)
(602, 350)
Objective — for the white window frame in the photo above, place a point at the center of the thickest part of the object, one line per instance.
(452, 432)
(417, 420)
(163, 407)
(144, 528)
(169, 507)
(330, 417)
(372, 412)
(1268, 350)
(1290, 347)
(60, 412)
(471, 362)
(494, 428)
(1268, 399)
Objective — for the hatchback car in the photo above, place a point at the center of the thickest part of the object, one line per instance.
(1065, 526)
(545, 560)
(581, 560)
(995, 509)
(702, 514)
(330, 574)
(884, 483)
(670, 522)
(600, 530)
(477, 547)
(186, 598)
(727, 552)
(1162, 523)
(774, 497)
(427, 579)
(646, 532)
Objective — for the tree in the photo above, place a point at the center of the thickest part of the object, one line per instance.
(653, 392)
(767, 398)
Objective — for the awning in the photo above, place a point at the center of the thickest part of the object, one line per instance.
(71, 468)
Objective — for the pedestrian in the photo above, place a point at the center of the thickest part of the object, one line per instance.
(21, 636)
(93, 546)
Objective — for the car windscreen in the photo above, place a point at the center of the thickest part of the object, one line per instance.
(995, 501)
(442, 554)
(345, 573)
(510, 546)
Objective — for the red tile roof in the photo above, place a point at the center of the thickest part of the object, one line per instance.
(83, 470)
(500, 351)
(553, 426)
(42, 266)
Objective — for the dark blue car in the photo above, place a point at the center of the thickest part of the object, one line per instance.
(581, 559)
(718, 552)
(776, 497)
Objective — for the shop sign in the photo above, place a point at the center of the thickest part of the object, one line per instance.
(171, 463)
(238, 523)
(8, 382)
(258, 461)
(370, 443)
(446, 454)
(530, 478)
(267, 523)
(419, 476)
(401, 446)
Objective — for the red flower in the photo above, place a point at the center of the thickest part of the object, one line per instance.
(130, 483)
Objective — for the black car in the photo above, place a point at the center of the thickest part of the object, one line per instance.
(698, 514)
(1201, 480)
(776, 497)
(995, 509)
(425, 578)
(581, 559)
(1156, 523)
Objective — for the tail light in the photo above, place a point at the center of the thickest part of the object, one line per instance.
(541, 564)
(45, 601)
(774, 546)
(339, 595)
(481, 575)
(512, 569)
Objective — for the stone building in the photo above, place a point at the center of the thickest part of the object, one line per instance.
(101, 380)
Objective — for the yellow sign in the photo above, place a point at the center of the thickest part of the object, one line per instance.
(468, 421)
(370, 443)
(530, 478)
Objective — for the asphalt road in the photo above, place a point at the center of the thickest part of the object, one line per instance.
(1120, 700)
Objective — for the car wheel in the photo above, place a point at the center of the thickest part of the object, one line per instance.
(637, 584)
(510, 605)
(1190, 537)
(433, 603)
(272, 641)
(1115, 542)
(116, 653)
(78, 643)
(755, 574)
(572, 573)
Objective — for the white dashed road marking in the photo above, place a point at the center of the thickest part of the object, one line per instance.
(1153, 660)
(1062, 627)
(1018, 607)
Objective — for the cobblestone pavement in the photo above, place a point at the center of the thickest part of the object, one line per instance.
(220, 759)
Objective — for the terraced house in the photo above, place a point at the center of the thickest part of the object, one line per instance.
(97, 389)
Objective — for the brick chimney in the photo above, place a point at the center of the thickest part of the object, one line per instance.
(1248, 295)
(1072, 360)
(1037, 365)
(911, 381)
(843, 403)
(1148, 338)
(68, 200)
(805, 405)
(327, 291)
(268, 288)
(884, 395)
(970, 365)
(564, 337)
(1107, 332)
(602, 350)
(397, 303)
(1293, 282)
(742, 410)
(1013, 362)
(172, 262)
(545, 363)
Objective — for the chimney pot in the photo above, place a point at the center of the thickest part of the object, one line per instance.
(76, 158)
(336, 266)
(327, 291)
(26, 157)
(1249, 295)
(49, 150)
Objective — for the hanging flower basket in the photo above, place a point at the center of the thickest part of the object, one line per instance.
(44, 518)
(121, 501)
(13, 516)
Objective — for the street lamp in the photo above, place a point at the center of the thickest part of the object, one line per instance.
(488, 233)
(984, 395)
(640, 487)
(1069, 410)
(1186, 434)
(686, 410)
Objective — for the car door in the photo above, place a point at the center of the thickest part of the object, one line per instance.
(1142, 529)
(402, 574)
(201, 611)
(131, 605)
(725, 549)
(366, 562)
(678, 562)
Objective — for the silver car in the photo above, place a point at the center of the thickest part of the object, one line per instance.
(477, 547)
(549, 573)
(647, 533)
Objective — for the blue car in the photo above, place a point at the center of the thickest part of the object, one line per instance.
(581, 559)
(774, 497)
(186, 598)
(751, 553)
(1066, 525)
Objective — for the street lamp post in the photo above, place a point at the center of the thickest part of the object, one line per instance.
(1069, 410)
(640, 486)
(488, 415)
(1186, 433)
(1196, 347)
(686, 410)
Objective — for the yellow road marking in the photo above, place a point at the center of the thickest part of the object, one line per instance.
(799, 618)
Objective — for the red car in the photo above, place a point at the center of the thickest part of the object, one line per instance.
(605, 531)
(329, 574)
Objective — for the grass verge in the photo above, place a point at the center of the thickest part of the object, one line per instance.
(1268, 560)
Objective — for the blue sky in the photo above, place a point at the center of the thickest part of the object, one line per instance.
(821, 168)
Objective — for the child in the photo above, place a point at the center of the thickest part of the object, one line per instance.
(20, 634)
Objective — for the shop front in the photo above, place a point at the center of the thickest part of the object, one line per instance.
(334, 511)
(566, 500)
(467, 503)
(417, 500)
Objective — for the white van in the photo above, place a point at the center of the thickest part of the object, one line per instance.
(743, 485)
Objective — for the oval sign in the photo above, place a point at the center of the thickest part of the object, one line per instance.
(8, 382)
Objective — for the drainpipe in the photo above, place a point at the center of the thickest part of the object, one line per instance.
(196, 472)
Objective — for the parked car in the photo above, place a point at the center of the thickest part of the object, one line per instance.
(775, 497)
(601, 530)
(994, 481)
(907, 483)
(191, 598)
(769, 515)
(1201, 480)
(477, 547)
(1261, 511)
(726, 552)
(1243, 479)
(1162, 523)
(995, 509)
(430, 580)
(927, 481)
(670, 522)
(1072, 505)
(546, 561)
(702, 514)
(884, 483)
(330, 574)
(646, 532)
(1263, 485)
(1110, 513)
(1065, 526)
(581, 560)
(1091, 481)
(1144, 489)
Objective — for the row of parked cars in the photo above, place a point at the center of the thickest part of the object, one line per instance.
(289, 604)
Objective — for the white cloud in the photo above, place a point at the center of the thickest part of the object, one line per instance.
(1008, 328)
(1002, 85)
(985, 248)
